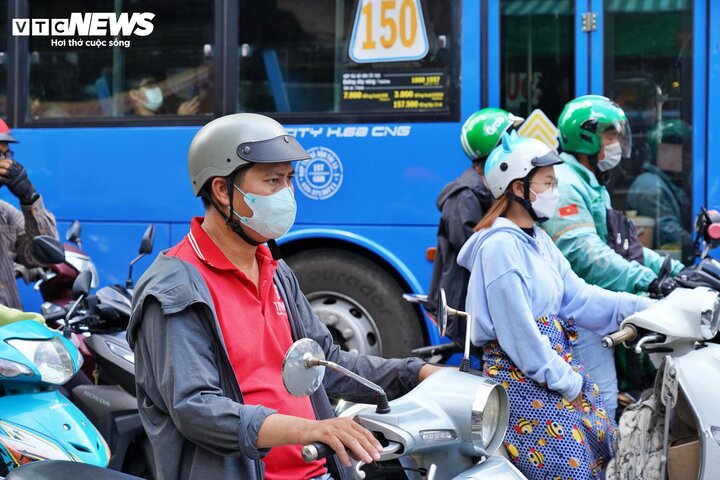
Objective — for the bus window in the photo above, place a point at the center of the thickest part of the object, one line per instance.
(295, 56)
(4, 27)
(537, 61)
(168, 72)
(648, 71)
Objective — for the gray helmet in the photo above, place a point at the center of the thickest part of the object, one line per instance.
(229, 142)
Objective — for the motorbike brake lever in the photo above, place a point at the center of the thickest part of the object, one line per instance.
(386, 454)
(649, 339)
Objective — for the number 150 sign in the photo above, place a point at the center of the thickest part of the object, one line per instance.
(388, 31)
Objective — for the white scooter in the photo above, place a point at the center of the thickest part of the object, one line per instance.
(448, 427)
(680, 334)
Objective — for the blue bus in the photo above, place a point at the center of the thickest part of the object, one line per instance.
(105, 107)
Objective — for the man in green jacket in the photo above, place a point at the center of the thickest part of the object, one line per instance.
(595, 136)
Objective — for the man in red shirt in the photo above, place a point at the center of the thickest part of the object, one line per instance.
(214, 315)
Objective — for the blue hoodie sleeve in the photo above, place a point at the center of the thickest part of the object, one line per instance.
(592, 307)
(508, 301)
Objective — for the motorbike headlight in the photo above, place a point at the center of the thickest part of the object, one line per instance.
(81, 263)
(710, 315)
(489, 417)
(51, 358)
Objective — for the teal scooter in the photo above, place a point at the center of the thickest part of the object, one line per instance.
(36, 421)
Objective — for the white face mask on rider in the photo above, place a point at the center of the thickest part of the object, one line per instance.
(613, 155)
(546, 202)
(273, 215)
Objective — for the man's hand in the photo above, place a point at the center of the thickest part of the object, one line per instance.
(340, 434)
(15, 177)
(427, 370)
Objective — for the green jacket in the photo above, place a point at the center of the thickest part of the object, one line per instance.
(579, 229)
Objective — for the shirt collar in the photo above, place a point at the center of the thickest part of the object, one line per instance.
(582, 170)
(209, 253)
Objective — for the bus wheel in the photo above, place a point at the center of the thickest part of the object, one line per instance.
(359, 302)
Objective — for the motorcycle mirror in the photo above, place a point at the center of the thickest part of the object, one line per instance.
(73, 233)
(442, 312)
(299, 376)
(81, 285)
(48, 250)
(146, 245)
(304, 368)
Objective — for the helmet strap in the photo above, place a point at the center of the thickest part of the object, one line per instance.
(230, 220)
(525, 199)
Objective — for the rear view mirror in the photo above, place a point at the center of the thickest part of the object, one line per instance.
(48, 250)
(73, 233)
(146, 244)
(442, 312)
(81, 285)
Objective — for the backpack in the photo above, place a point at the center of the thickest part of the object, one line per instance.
(639, 443)
(623, 238)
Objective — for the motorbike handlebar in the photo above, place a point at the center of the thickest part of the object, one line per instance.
(316, 451)
(55, 316)
(628, 332)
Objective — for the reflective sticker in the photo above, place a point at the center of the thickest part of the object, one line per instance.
(320, 177)
(539, 126)
(388, 31)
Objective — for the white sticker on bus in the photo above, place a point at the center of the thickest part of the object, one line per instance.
(388, 31)
(351, 131)
(320, 177)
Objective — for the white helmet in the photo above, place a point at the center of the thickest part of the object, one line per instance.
(514, 159)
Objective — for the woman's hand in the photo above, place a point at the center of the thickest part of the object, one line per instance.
(577, 403)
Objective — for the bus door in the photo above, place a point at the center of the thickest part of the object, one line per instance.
(644, 54)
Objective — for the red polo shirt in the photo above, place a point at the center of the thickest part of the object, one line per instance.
(257, 334)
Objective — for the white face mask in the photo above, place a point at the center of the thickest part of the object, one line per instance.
(154, 98)
(546, 202)
(273, 215)
(613, 155)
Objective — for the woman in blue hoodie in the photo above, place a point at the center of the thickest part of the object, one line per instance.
(525, 301)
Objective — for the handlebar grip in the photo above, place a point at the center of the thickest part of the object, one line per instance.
(628, 332)
(316, 451)
(55, 316)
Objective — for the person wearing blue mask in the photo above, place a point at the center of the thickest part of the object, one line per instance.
(214, 315)
(525, 302)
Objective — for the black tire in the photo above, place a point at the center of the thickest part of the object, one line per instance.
(353, 288)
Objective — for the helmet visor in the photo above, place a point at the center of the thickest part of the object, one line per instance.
(284, 148)
(550, 158)
(624, 137)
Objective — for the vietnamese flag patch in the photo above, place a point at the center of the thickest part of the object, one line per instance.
(568, 210)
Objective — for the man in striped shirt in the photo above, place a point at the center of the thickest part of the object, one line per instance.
(18, 227)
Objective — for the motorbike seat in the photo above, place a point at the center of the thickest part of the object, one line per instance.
(60, 469)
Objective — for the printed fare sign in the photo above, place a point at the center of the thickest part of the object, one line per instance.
(388, 31)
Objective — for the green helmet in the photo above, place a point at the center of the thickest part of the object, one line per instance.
(227, 143)
(584, 120)
(482, 131)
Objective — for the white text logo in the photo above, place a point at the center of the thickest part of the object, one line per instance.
(98, 24)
